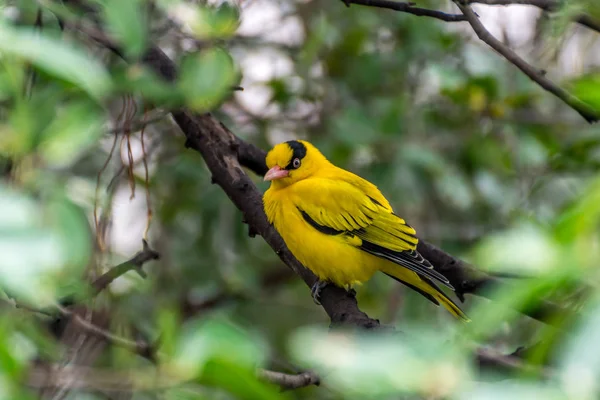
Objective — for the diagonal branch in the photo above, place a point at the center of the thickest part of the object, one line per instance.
(135, 264)
(408, 8)
(139, 347)
(219, 148)
(587, 112)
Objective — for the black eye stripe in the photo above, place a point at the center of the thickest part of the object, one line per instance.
(299, 151)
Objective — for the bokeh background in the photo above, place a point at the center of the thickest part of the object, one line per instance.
(478, 158)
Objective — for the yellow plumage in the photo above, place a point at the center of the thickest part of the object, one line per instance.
(340, 226)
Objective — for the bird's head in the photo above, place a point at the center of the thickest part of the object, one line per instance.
(292, 161)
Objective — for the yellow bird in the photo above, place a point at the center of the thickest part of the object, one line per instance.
(341, 227)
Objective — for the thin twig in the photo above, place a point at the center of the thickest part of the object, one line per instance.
(139, 125)
(491, 359)
(100, 224)
(138, 347)
(587, 112)
(546, 5)
(135, 263)
(80, 377)
(289, 381)
(408, 8)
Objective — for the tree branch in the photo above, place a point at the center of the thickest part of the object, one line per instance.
(467, 279)
(408, 8)
(546, 5)
(135, 264)
(139, 124)
(288, 381)
(139, 347)
(587, 112)
(219, 148)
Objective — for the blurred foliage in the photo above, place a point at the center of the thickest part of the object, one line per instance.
(478, 158)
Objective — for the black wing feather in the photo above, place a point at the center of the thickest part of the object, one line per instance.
(408, 259)
(411, 260)
(416, 289)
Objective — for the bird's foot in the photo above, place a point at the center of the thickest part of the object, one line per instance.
(315, 290)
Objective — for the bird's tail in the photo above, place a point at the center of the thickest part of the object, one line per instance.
(451, 306)
(425, 287)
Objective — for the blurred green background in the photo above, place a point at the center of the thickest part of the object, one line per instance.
(479, 159)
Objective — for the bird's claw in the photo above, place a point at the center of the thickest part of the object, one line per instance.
(315, 291)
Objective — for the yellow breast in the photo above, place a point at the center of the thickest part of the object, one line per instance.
(331, 257)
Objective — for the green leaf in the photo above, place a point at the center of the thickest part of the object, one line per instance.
(189, 392)
(75, 129)
(16, 352)
(140, 79)
(27, 120)
(377, 365)
(532, 153)
(216, 22)
(40, 246)
(56, 57)
(204, 340)
(526, 249)
(353, 126)
(126, 21)
(587, 89)
(207, 78)
(206, 21)
(423, 157)
(580, 220)
(239, 380)
(454, 188)
(580, 357)
(70, 224)
(513, 390)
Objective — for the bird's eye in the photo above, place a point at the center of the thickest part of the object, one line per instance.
(296, 163)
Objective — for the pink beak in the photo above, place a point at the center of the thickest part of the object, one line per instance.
(276, 173)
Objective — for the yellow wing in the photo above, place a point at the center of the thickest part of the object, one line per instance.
(338, 207)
